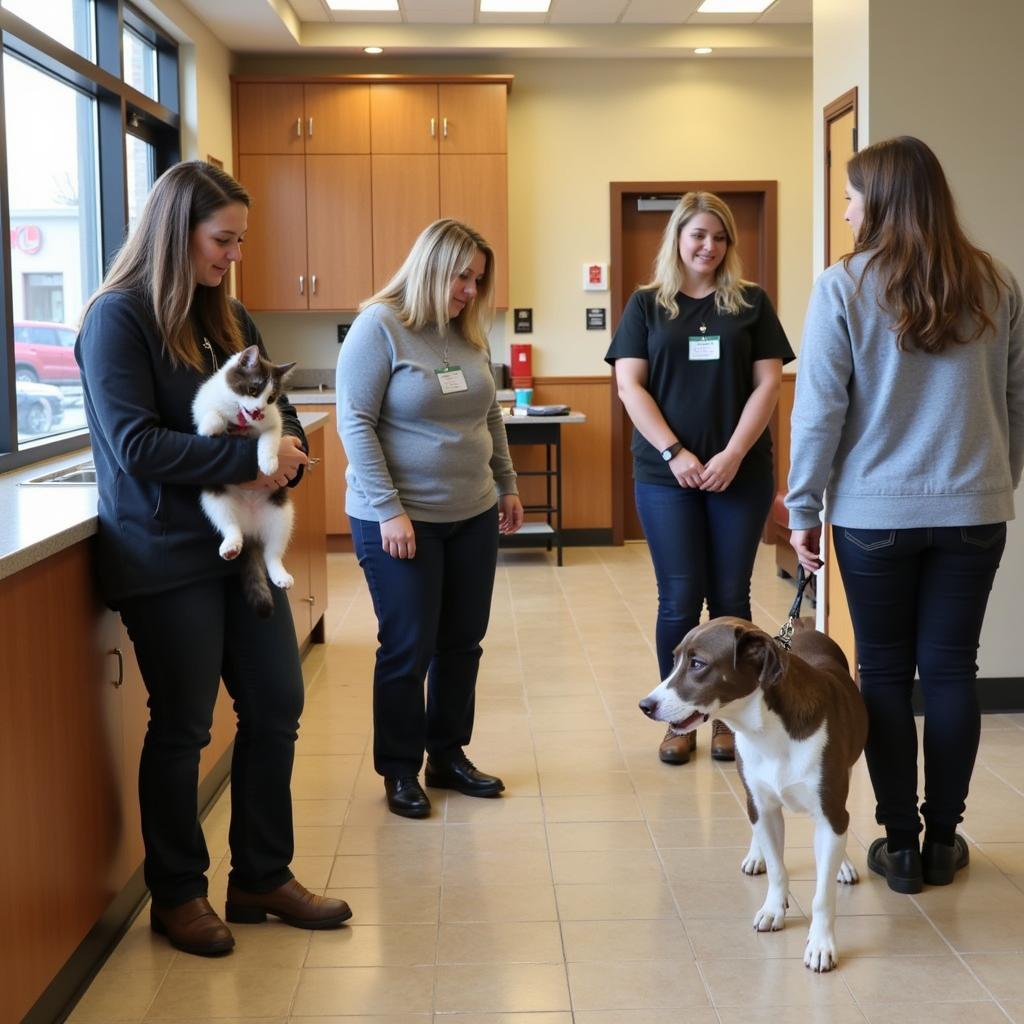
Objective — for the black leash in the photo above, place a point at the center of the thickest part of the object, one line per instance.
(784, 638)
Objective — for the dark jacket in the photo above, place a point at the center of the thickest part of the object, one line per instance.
(150, 463)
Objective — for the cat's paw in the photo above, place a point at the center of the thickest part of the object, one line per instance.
(281, 578)
(231, 547)
(212, 424)
(268, 464)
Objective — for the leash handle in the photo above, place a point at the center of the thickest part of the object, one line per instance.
(785, 634)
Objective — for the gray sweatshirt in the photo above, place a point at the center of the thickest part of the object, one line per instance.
(902, 439)
(411, 448)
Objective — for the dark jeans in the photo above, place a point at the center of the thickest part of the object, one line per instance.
(186, 640)
(432, 613)
(703, 545)
(917, 599)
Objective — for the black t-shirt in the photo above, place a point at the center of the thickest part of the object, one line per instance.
(699, 385)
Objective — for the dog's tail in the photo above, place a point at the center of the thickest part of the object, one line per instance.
(255, 585)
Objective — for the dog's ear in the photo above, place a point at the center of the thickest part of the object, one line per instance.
(758, 649)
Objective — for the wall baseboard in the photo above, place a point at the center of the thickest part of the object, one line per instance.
(996, 695)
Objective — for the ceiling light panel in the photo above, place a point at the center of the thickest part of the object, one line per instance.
(734, 6)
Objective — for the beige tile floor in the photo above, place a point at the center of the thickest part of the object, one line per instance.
(604, 887)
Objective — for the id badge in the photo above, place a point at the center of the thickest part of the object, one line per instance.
(704, 347)
(452, 380)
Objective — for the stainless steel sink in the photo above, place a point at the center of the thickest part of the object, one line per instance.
(81, 473)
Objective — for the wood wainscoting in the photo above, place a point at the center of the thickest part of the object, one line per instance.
(586, 457)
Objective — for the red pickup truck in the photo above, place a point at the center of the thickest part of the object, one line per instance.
(45, 352)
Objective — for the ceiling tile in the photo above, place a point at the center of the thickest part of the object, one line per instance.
(458, 12)
(659, 12)
(586, 12)
(722, 19)
(792, 12)
(532, 18)
(310, 10)
(376, 17)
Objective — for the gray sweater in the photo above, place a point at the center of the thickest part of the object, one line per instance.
(438, 458)
(902, 439)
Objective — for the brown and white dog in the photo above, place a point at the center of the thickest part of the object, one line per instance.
(800, 726)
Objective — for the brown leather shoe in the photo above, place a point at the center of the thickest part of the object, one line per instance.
(293, 903)
(677, 749)
(723, 743)
(193, 927)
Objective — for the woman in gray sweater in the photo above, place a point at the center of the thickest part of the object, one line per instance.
(909, 419)
(430, 487)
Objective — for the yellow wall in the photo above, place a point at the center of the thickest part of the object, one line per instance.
(577, 125)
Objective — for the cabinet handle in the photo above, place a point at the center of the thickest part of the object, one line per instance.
(312, 284)
(444, 127)
(119, 681)
(312, 463)
(298, 127)
(309, 125)
(433, 128)
(311, 600)
(302, 284)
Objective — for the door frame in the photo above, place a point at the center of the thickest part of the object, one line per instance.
(620, 191)
(838, 108)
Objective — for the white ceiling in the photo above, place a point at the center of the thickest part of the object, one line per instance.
(570, 28)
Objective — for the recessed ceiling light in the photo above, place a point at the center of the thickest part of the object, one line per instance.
(372, 49)
(514, 6)
(734, 6)
(363, 5)
(702, 50)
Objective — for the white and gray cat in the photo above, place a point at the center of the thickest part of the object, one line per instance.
(240, 398)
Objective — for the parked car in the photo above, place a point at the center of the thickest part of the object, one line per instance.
(40, 407)
(45, 352)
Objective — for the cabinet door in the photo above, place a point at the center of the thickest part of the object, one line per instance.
(296, 561)
(474, 189)
(316, 521)
(338, 202)
(403, 118)
(272, 274)
(337, 118)
(335, 464)
(473, 118)
(270, 118)
(405, 201)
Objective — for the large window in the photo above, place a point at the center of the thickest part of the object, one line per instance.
(106, 79)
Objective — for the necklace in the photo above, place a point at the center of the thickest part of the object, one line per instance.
(443, 355)
(702, 314)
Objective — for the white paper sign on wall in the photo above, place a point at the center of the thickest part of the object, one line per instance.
(595, 277)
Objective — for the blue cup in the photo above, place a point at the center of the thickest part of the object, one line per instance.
(524, 397)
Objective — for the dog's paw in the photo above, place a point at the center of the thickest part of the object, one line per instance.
(820, 953)
(847, 873)
(231, 547)
(753, 864)
(771, 917)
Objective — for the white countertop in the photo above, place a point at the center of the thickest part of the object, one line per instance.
(36, 522)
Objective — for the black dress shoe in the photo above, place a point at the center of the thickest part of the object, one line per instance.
(941, 862)
(406, 797)
(460, 774)
(901, 870)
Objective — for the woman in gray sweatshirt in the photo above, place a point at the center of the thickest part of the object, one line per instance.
(908, 429)
(430, 486)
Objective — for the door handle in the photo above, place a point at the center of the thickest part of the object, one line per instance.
(119, 681)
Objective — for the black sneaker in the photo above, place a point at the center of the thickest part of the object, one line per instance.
(901, 870)
(460, 774)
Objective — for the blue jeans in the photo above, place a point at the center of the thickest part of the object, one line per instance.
(917, 599)
(703, 545)
(432, 613)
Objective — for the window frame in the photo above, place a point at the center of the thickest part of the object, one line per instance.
(120, 110)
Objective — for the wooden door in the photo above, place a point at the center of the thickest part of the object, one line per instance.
(273, 274)
(405, 201)
(339, 232)
(337, 118)
(403, 118)
(841, 141)
(473, 118)
(270, 118)
(641, 232)
(474, 189)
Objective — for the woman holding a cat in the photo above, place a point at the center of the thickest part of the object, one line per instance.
(430, 487)
(161, 324)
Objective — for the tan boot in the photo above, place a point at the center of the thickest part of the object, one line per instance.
(677, 749)
(723, 743)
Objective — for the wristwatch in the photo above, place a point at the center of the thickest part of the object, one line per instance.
(669, 453)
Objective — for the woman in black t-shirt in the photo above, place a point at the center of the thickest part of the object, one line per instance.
(698, 358)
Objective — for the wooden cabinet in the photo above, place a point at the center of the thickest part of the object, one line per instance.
(307, 554)
(345, 174)
(335, 464)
